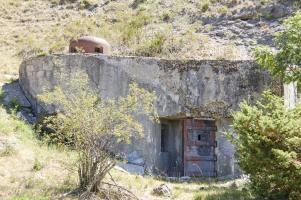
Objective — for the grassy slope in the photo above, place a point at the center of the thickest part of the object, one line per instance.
(27, 166)
(170, 29)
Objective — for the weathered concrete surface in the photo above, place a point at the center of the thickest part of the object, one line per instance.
(226, 163)
(206, 88)
(184, 88)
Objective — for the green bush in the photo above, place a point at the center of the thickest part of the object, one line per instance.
(136, 3)
(132, 29)
(152, 47)
(268, 147)
(87, 3)
(96, 126)
(37, 166)
(8, 150)
(284, 63)
(205, 7)
(168, 16)
(46, 131)
(15, 104)
(2, 95)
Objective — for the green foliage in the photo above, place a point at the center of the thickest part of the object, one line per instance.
(10, 124)
(284, 63)
(132, 28)
(223, 10)
(8, 150)
(2, 95)
(168, 16)
(15, 104)
(37, 166)
(88, 3)
(205, 7)
(226, 194)
(152, 47)
(268, 147)
(136, 3)
(96, 126)
(48, 134)
(82, 108)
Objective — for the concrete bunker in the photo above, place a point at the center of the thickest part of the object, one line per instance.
(195, 99)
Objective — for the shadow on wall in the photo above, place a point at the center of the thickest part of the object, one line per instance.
(13, 99)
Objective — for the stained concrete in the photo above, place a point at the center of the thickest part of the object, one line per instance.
(192, 88)
(225, 152)
(171, 151)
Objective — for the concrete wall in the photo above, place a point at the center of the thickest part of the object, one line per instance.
(197, 88)
(226, 163)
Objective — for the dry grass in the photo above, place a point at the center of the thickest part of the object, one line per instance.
(143, 186)
(43, 26)
(18, 174)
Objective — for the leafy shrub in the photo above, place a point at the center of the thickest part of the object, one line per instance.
(287, 58)
(152, 47)
(132, 28)
(45, 129)
(37, 166)
(205, 6)
(268, 147)
(136, 3)
(15, 104)
(2, 95)
(87, 3)
(7, 151)
(167, 16)
(97, 126)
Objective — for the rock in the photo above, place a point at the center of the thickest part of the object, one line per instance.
(235, 30)
(280, 11)
(203, 187)
(26, 116)
(220, 34)
(121, 169)
(185, 178)
(162, 190)
(245, 14)
(275, 11)
(233, 185)
(133, 169)
(134, 158)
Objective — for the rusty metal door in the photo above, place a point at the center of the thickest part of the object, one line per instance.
(199, 148)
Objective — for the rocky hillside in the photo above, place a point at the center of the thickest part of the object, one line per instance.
(207, 29)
